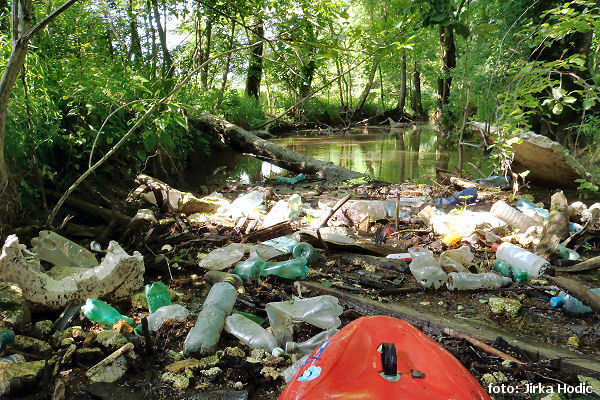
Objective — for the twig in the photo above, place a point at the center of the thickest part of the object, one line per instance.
(149, 347)
(397, 211)
(322, 242)
(336, 207)
(486, 348)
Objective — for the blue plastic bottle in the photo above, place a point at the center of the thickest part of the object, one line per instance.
(571, 304)
(525, 204)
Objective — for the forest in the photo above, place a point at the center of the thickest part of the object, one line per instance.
(172, 130)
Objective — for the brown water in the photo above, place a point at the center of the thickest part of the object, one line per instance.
(388, 154)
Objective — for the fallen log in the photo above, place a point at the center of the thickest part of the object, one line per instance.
(274, 231)
(166, 196)
(556, 228)
(587, 265)
(579, 291)
(246, 142)
(101, 212)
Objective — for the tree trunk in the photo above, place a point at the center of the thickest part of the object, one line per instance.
(381, 90)
(339, 80)
(402, 94)
(255, 64)
(135, 52)
(416, 103)
(162, 36)
(246, 142)
(308, 68)
(365, 94)
(154, 51)
(206, 53)
(448, 50)
(227, 65)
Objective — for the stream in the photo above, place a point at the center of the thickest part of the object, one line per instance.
(388, 154)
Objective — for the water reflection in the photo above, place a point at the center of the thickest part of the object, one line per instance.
(389, 154)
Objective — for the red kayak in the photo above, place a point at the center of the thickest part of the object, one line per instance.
(381, 357)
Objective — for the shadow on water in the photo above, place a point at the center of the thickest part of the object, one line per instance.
(388, 154)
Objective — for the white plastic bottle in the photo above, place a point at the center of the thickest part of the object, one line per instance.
(512, 216)
(172, 311)
(426, 269)
(533, 264)
(308, 346)
(249, 332)
(204, 336)
(468, 281)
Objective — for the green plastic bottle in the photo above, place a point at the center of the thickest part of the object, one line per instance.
(251, 268)
(505, 269)
(157, 295)
(105, 315)
(566, 253)
(502, 267)
(519, 274)
(306, 251)
(292, 269)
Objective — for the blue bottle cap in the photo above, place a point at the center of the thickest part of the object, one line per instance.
(557, 302)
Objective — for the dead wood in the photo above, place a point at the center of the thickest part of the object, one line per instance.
(336, 207)
(556, 228)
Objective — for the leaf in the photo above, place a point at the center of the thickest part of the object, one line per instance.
(141, 155)
(589, 103)
(557, 109)
(438, 18)
(462, 29)
(557, 93)
(569, 99)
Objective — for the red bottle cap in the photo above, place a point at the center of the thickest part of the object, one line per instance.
(495, 246)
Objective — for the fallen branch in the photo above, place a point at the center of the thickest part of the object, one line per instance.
(587, 265)
(336, 207)
(486, 348)
(277, 230)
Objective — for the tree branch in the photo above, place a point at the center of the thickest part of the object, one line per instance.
(26, 37)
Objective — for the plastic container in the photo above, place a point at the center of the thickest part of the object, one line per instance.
(291, 181)
(250, 333)
(457, 260)
(426, 269)
(204, 336)
(50, 246)
(250, 269)
(283, 243)
(468, 281)
(523, 259)
(292, 269)
(212, 277)
(571, 304)
(306, 251)
(499, 181)
(525, 204)
(100, 312)
(308, 346)
(464, 196)
(222, 258)
(172, 311)
(283, 210)
(512, 216)
(157, 296)
(321, 311)
(508, 270)
(6, 337)
(566, 253)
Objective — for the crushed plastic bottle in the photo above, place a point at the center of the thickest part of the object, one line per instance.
(508, 270)
(500, 181)
(531, 263)
(308, 346)
(566, 253)
(204, 336)
(222, 258)
(100, 312)
(464, 196)
(291, 371)
(457, 260)
(255, 268)
(284, 210)
(468, 281)
(290, 181)
(157, 296)
(571, 304)
(426, 269)
(12, 359)
(250, 333)
(512, 216)
(58, 250)
(321, 311)
(172, 311)
(305, 251)
(144, 215)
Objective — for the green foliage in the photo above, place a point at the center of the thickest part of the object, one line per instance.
(586, 188)
(242, 110)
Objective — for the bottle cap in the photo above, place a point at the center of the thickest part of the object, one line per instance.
(557, 301)
(495, 246)
(230, 279)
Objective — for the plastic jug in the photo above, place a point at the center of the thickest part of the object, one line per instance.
(426, 269)
(100, 312)
(157, 295)
(249, 332)
(204, 336)
(468, 281)
(531, 263)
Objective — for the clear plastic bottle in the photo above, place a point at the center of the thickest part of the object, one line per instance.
(426, 269)
(306, 251)
(468, 281)
(321, 311)
(308, 346)
(50, 246)
(100, 312)
(571, 304)
(293, 369)
(157, 296)
(525, 204)
(172, 311)
(512, 216)
(222, 258)
(527, 261)
(212, 277)
(204, 336)
(250, 333)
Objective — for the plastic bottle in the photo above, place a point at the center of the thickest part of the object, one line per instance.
(321, 311)
(291, 181)
(222, 258)
(292, 269)
(172, 311)
(250, 333)
(571, 304)
(566, 253)
(204, 336)
(13, 359)
(523, 259)
(50, 246)
(311, 344)
(293, 369)
(506, 269)
(157, 295)
(525, 204)
(306, 251)
(512, 216)
(100, 312)
(426, 269)
(499, 181)
(212, 277)
(6, 337)
(468, 281)
(251, 268)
